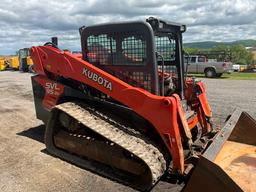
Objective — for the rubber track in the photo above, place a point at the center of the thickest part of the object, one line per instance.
(127, 138)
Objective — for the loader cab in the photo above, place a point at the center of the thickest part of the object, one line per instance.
(23, 54)
(139, 53)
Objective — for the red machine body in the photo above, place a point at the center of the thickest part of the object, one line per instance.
(165, 113)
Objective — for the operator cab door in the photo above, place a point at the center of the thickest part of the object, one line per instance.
(168, 42)
(125, 50)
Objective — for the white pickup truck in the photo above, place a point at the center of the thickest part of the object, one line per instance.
(200, 64)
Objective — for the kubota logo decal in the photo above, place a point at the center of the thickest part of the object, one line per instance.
(52, 88)
(100, 80)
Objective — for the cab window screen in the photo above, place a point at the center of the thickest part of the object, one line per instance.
(116, 49)
(134, 50)
(100, 48)
(165, 46)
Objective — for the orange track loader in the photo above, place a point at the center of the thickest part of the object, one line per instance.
(125, 109)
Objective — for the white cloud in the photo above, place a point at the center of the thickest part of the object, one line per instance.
(33, 22)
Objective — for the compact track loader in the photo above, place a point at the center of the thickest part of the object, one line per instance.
(125, 109)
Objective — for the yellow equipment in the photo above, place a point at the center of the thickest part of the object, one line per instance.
(14, 62)
(3, 64)
(29, 61)
(22, 61)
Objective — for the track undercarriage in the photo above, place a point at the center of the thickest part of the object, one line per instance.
(85, 136)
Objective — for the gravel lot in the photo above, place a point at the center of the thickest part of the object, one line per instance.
(226, 95)
(26, 166)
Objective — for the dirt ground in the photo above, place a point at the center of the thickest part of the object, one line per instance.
(26, 166)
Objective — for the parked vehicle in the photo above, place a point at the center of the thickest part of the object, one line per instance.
(236, 68)
(200, 64)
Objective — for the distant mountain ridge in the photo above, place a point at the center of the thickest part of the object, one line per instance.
(211, 44)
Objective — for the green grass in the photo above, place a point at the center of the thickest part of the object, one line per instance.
(234, 75)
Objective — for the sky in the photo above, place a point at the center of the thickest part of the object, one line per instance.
(33, 22)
